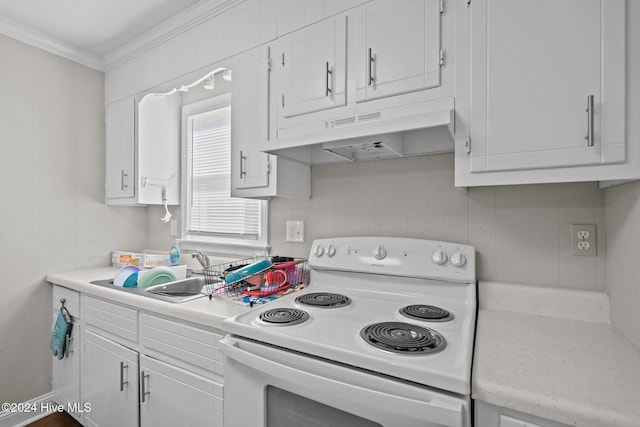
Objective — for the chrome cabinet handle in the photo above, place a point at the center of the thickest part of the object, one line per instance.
(143, 392)
(590, 112)
(68, 340)
(123, 177)
(371, 61)
(328, 73)
(122, 381)
(243, 159)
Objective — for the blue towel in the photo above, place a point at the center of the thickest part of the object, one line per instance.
(61, 329)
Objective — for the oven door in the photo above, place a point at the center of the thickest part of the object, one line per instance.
(266, 386)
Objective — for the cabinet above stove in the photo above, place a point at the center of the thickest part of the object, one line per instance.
(360, 85)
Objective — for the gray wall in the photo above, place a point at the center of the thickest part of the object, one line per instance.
(52, 212)
(521, 233)
(623, 248)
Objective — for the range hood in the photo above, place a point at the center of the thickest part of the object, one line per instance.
(410, 130)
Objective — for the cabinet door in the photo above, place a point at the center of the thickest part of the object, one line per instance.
(109, 382)
(250, 168)
(398, 48)
(311, 65)
(66, 374)
(158, 154)
(536, 66)
(173, 397)
(120, 149)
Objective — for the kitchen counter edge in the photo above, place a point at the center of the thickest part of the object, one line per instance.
(202, 311)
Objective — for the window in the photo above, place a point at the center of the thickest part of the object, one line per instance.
(212, 218)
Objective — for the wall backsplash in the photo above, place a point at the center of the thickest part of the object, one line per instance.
(521, 233)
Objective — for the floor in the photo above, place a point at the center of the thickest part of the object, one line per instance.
(57, 419)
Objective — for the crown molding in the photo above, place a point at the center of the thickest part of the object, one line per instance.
(159, 34)
(34, 38)
(167, 30)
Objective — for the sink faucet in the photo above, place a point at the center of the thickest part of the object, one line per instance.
(202, 258)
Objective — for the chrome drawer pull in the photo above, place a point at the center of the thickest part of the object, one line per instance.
(590, 112)
(328, 73)
(371, 61)
(143, 392)
(122, 381)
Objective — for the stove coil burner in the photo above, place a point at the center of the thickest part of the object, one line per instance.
(403, 338)
(324, 300)
(284, 316)
(427, 312)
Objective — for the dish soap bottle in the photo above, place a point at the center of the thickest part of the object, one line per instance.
(174, 255)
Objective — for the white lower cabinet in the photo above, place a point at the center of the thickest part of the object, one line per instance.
(487, 415)
(170, 396)
(109, 382)
(133, 368)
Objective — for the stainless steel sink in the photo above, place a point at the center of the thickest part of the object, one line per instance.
(177, 292)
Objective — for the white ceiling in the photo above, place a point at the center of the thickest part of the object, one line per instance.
(93, 27)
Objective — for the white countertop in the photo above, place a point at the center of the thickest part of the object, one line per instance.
(201, 311)
(552, 353)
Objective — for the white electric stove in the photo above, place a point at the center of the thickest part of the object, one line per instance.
(382, 336)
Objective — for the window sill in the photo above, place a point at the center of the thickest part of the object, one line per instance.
(247, 249)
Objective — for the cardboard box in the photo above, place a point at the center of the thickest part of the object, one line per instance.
(140, 259)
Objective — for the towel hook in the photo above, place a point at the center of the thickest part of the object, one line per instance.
(62, 301)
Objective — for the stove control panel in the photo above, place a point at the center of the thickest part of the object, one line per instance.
(395, 256)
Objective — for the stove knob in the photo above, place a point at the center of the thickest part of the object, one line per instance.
(379, 252)
(318, 251)
(331, 251)
(439, 257)
(458, 260)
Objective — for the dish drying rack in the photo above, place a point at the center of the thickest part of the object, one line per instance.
(251, 276)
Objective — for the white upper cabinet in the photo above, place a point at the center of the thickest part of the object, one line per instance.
(547, 91)
(120, 149)
(159, 148)
(364, 77)
(143, 150)
(398, 48)
(295, 14)
(255, 174)
(313, 68)
(249, 123)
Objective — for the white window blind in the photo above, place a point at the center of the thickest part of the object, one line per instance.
(211, 211)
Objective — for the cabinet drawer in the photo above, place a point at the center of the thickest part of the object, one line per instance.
(71, 300)
(182, 342)
(166, 387)
(113, 319)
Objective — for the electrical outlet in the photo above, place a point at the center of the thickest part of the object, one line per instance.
(583, 239)
(295, 231)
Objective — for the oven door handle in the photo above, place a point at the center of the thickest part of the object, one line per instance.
(440, 408)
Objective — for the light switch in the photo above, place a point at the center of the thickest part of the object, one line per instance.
(295, 231)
